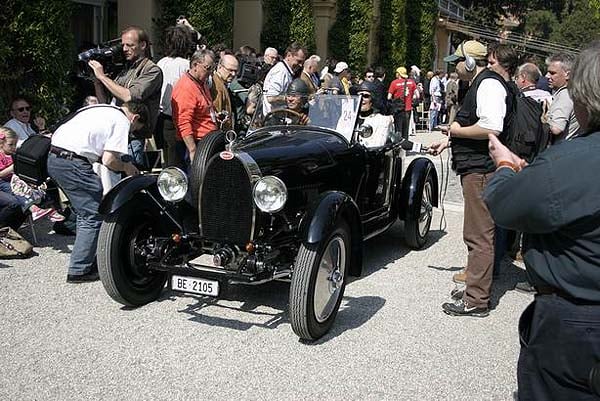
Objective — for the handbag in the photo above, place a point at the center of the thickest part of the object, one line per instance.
(12, 245)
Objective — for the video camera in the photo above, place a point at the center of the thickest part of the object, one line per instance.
(110, 55)
(251, 71)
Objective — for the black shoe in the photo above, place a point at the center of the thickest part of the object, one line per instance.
(457, 293)
(460, 308)
(60, 228)
(83, 278)
(525, 287)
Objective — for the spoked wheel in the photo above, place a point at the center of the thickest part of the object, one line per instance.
(417, 229)
(126, 237)
(318, 284)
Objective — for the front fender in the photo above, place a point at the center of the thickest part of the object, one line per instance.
(124, 191)
(320, 220)
(412, 186)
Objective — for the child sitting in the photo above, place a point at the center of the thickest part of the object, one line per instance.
(19, 192)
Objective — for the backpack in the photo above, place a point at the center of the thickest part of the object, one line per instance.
(527, 131)
(399, 104)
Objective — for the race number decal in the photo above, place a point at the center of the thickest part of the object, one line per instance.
(346, 121)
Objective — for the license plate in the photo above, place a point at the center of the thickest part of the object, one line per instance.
(195, 285)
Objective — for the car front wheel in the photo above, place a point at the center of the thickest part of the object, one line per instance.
(416, 229)
(318, 284)
(124, 241)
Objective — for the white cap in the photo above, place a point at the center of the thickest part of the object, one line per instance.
(339, 67)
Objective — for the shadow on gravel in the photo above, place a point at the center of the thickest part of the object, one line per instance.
(510, 275)
(354, 312)
(386, 248)
(266, 306)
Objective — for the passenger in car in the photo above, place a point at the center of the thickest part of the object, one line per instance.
(383, 126)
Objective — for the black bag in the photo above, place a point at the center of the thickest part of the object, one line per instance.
(399, 104)
(30, 160)
(527, 133)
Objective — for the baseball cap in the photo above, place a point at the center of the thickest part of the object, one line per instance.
(402, 72)
(339, 67)
(472, 48)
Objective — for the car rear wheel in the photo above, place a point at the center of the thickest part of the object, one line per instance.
(122, 245)
(416, 229)
(210, 145)
(318, 284)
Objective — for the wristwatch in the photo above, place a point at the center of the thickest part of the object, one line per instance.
(126, 158)
(509, 164)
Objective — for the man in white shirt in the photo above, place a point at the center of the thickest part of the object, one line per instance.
(281, 75)
(20, 111)
(96, 133)
(179, 46)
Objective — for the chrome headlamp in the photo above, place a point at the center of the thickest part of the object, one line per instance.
(172, 184)
(270, 194)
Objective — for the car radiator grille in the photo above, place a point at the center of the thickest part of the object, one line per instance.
(226, 205)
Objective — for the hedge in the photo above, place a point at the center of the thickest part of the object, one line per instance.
(286, 21)
(37, 53)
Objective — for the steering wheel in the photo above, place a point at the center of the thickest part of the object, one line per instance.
(295, 116)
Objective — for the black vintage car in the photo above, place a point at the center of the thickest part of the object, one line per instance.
(284, 202)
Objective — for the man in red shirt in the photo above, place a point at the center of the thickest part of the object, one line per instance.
(401, 93)
(193, 111)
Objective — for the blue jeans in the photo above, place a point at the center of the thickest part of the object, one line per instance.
(5, 187)
(84, 190)
(433, 119)
(136, 151)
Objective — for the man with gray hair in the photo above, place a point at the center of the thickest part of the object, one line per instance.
(270, 56)
(526, 78)
(309, 73)
(561, 117)
(554, 201)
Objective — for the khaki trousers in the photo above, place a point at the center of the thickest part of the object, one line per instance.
(478, 235)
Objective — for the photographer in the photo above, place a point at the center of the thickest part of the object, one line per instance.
(140, 81)
(179, 46)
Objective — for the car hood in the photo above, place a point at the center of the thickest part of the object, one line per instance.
(274, 150)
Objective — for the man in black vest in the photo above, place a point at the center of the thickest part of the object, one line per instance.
(483, 110)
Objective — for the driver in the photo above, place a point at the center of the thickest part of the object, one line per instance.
(383, 126)
(296, 113)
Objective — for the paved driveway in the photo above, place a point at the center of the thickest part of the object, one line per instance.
(391, 341)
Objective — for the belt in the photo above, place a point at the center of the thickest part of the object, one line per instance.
(548, 290)
(67, 154)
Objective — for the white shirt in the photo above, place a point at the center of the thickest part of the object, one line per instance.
(23, 130)
(383, 126)
(491, 105)
(276, 83)
(173, 68)
(93, 130)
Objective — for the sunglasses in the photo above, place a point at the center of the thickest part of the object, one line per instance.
(365, 95)
(22, 109)
(370, 76)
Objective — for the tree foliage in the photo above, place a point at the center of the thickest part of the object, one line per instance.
(37, 51)
(286, 21)
(214, 19)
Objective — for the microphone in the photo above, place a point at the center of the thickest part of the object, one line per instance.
(411, 146)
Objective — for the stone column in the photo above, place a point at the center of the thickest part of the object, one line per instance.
(247, 23)
(324, 14)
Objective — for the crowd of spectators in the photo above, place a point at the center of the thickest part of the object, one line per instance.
(193, 91)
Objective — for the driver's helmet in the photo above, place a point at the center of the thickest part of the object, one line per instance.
(366, 86)
(297, 88)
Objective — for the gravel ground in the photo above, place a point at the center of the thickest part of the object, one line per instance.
(390, 341)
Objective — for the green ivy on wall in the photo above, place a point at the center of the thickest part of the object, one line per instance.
(213, 19)
(37, 55)
(286, 21)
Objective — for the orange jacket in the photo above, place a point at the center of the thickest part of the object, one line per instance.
(193, 110)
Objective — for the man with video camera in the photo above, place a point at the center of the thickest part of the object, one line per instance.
(140, 81)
